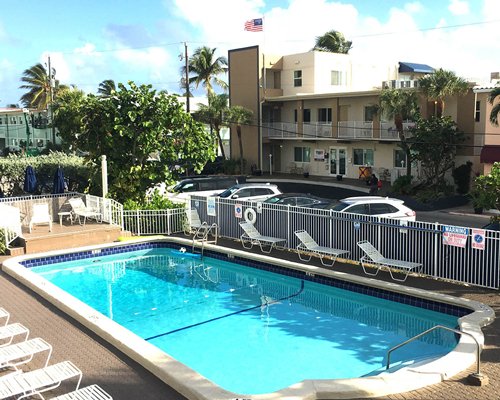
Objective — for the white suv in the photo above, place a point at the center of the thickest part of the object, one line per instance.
(385, 207)
(250, 191)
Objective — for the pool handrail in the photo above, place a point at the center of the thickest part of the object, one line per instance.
(478, 347)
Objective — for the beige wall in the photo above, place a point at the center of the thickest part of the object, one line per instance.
(244, 80)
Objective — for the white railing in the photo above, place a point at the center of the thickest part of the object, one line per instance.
(154, 222)
(355, 129)
(317, 130)
(411, 241)
(277, 130)
(388, 130)
(9, 234)
(111, 210)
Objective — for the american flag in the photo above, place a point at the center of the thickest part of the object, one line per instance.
(254, 25)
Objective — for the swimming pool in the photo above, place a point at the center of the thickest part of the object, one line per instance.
(262, 329)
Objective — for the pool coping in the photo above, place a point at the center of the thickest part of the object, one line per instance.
(194, 386)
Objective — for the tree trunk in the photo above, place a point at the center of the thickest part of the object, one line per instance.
(221, 145)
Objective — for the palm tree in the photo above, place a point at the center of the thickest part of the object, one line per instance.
(36, 80)
(106, 88)
(213, 114)
(441, 84)
(495, 111)
(239, 116)
(400, 105)
(206, 68)
(333, 42)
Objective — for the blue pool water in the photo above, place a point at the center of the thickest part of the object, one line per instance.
(250, 331)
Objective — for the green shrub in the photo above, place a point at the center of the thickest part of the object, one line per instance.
(403, 185)
(155, 202)
(461, 176)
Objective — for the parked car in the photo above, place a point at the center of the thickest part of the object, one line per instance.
(297, 199)
(250, 191)
(200, 186)
(492, 226)
(375, 205)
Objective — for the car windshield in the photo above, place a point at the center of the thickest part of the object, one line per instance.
(340, 206)
(228, 192)
(274, 199)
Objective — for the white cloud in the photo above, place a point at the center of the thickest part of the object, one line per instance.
(414, 7)
(459, 7)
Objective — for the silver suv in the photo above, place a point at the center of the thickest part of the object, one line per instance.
(385, 207)
(250, 191)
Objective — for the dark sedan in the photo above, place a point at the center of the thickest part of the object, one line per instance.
(298, 199)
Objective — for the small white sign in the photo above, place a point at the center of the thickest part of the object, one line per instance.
(211, 206)
(478, 239)
(238, 211)
(455, 235)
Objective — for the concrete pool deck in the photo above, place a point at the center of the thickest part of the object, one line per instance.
(121, 377)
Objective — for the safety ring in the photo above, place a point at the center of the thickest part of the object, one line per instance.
(250, 215)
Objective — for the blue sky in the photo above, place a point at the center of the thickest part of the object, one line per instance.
(90, 41)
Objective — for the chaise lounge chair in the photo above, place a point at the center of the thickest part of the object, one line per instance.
(200, 230)
(80, 210)
(9, 332)
(92, 392)
(251, 236)
(41, 216)
(23, 352)
(309, 247)
(4, 316)
(34, 383)
(373, 257)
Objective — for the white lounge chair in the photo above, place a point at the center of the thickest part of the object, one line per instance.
(9, 332)
(251, 236)
(41, 216)
(194, 226)
(36, 382)
(4, 316)
(92, 392)
(374, 258)
(309, 247)
(80, 210)
(23, 352)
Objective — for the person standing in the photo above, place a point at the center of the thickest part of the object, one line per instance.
(373, 184)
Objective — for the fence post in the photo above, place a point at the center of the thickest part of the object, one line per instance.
(436, 244)
(138, 223)
(169, 217)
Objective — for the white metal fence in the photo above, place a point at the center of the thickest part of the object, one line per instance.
(154, 222)
(412, 241)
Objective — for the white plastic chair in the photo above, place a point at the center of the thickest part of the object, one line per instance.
(309, 247)
(36, 382)
(80, 210)
(23, 352)
(4, 316)
(92, 392)
(41, 216)
(252, 236)
(9, 332)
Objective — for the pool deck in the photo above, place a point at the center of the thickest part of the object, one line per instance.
(125, 379)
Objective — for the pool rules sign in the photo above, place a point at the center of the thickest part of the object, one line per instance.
(455, 235)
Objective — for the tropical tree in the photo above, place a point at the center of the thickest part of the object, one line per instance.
(400, 105)
(36, 81)
(238, 116)
(333, 42)
(206, 68)
(213, 114)
(435, 142)
(440, 84)
(68, 116)
(106, 88)
(495, 111)
(133, 124)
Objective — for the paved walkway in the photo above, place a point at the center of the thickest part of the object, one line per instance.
(125, 379)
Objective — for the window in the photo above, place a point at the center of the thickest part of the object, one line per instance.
(370, 112)
(363, 156)
(400, 159)
(382, 208)
(297, 78)
(325, 115)
(338, 78)
(359, 209)
(302, 154)
(307, 115)
(478, 112)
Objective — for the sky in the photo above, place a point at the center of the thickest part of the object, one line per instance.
(94, 40)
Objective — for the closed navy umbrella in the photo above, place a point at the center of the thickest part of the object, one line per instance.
(29, 180)
(58, 181)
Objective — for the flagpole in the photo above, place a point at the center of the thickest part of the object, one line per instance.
(263, 99)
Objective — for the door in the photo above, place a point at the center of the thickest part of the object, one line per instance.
(338, 161)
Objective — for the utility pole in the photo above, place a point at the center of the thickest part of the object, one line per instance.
(51, 98)
(186, 59)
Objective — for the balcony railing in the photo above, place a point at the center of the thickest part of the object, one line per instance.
(346, 130)
(355, 129)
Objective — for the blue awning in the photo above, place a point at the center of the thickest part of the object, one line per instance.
(413, 67)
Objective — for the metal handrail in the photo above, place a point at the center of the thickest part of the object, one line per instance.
(478, 347)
